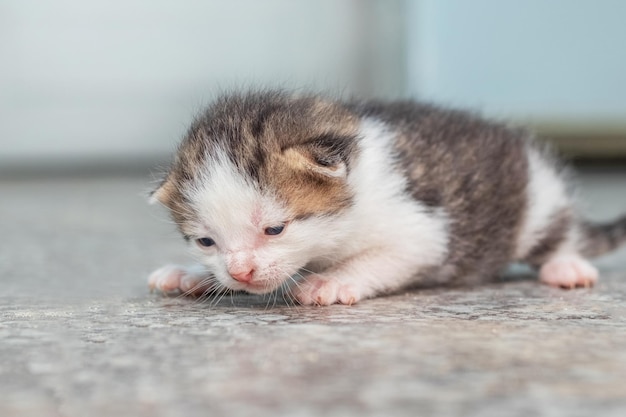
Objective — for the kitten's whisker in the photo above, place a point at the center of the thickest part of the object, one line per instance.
(212, 290)
(287, 295)
(290, 278)
(276, 296)
(220, 299)
(203, 282)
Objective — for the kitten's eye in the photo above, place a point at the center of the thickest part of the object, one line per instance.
(205, 242)
(276, 230)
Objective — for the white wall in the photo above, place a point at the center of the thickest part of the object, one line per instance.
(122, 78)
(557, 60)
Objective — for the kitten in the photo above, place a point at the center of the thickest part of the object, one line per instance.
(367, 197)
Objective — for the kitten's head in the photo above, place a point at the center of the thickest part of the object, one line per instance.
(259, 184)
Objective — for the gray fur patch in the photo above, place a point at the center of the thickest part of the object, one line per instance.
(474, 169)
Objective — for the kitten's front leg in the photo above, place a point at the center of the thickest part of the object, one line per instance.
(363, 276)
(188, 280)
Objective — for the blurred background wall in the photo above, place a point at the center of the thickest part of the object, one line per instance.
(116, 82)
(559, 65)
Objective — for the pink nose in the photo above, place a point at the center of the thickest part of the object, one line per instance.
(242, 276)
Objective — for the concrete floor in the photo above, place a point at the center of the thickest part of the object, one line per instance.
(80, 335)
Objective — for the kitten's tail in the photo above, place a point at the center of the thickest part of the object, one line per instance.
(600, 238)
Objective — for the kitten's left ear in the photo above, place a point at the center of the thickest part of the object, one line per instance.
(163, 192)
(326, 155)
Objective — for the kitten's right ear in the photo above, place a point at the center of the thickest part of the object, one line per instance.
(163, 192)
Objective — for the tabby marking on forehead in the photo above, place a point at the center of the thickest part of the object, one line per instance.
(267, 139)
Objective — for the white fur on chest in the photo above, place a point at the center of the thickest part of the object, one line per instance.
(384, 217)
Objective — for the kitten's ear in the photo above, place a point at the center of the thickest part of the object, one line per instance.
(326, 155)
(163, 192)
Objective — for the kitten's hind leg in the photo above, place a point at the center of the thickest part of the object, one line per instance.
(188, 280)
(568, 271)
(567, 267)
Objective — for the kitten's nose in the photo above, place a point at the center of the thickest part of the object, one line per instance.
(242, 276)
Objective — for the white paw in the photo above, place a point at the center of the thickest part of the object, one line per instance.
(568, 271)
(323, 291)
(175, 278)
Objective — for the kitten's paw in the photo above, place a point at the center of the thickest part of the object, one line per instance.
(568, 271)
(175, 278)
(323, 291)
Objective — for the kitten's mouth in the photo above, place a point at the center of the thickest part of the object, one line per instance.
(259, 287)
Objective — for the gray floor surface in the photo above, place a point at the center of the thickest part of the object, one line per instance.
(80, 335)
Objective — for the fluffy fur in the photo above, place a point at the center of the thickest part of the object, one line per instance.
(347, 200)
